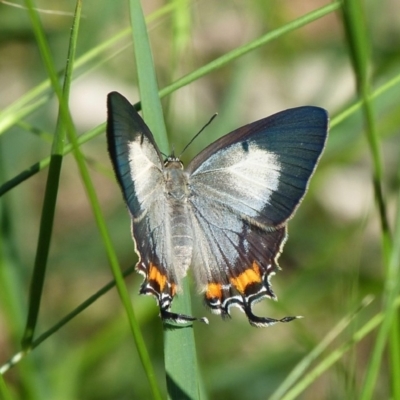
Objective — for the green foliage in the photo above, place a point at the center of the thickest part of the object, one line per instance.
(65, 332)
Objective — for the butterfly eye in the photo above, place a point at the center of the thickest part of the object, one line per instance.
(173, 162)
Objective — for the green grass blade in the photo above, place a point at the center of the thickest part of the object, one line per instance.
(39, 166)
(391, 323)
(242, 50)
(357, 35)
(7, 297)
(299, 369)
(180, 357)
(9, 118)
(392, 83)
(181, 34)
(394, 338)
(41, 94)
(177, 373)
(4, 392)
(50, 197)
(336, 355)
(389, 326)
(147, 81)
(16, 358)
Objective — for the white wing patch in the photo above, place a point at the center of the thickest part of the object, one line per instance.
(143, 161)
(256, 174)
(243, 179)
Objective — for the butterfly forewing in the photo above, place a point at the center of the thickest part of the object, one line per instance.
(136, 160)
(262, 169)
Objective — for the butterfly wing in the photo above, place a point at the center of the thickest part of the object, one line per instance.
(244, 188)
(139, 170)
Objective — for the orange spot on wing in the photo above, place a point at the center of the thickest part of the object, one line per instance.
(157, 276)
(214, 290)
(173, 289)
(247, 277)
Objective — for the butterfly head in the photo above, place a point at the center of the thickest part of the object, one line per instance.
(173, 162)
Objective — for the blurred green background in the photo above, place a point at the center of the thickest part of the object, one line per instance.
(333, 257)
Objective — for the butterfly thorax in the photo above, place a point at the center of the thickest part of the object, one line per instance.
(177, 192)
(176, 181)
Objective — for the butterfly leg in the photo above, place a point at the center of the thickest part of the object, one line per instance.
(178, 319)
(261, 322)
(164, 301)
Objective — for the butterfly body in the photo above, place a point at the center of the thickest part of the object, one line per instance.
(225, 215)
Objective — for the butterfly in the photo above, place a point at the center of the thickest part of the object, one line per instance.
(224, 215)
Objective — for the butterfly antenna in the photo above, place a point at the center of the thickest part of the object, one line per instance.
(198, 133)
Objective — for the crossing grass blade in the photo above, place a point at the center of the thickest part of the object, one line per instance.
(357, 34)
(52, 184)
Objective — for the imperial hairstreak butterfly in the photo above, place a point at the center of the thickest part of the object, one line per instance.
(224, 215)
